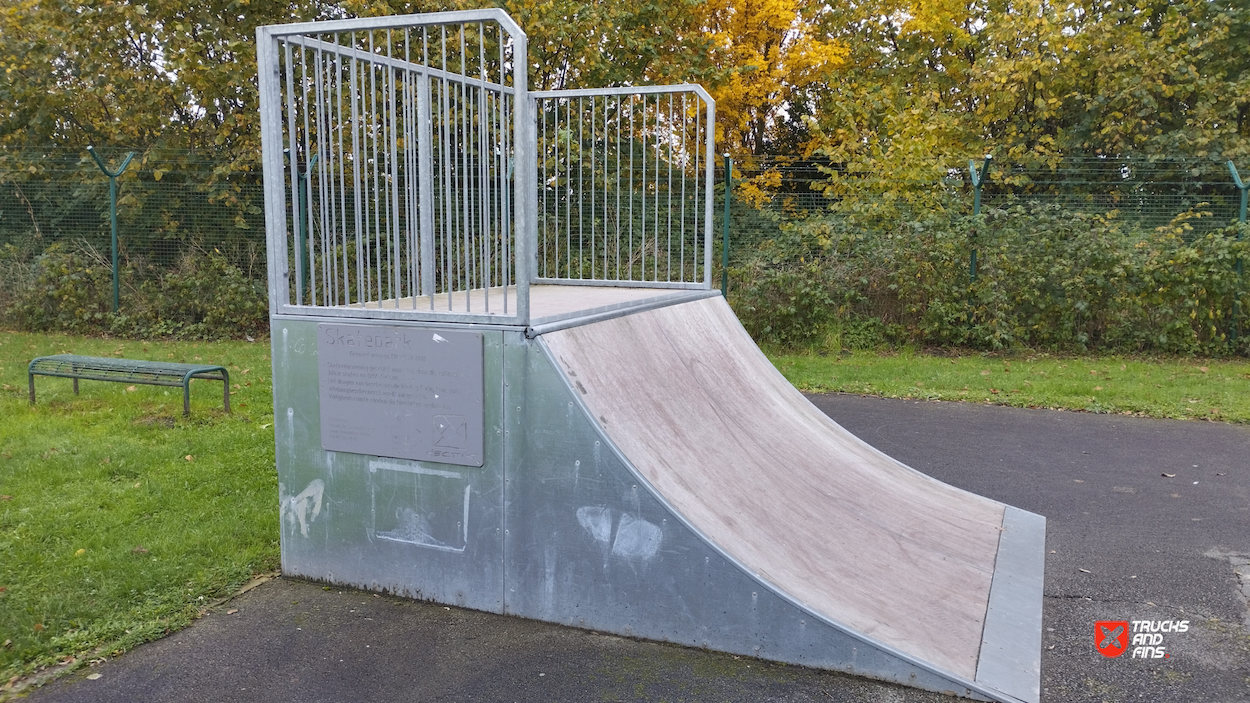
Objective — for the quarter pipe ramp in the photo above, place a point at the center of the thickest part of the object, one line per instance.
(651, 474)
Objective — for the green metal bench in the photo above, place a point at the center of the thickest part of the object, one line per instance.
(152, 373)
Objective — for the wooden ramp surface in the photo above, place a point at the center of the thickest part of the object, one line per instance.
(851, 533)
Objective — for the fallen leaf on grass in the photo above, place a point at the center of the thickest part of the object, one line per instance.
(190, 458)
(1202, 369)
(1169, 475)
(131, 389)
(106, 460)
(8, 643)
(6, 497)
(80, 552)
(139, 550)
(1097, 388)
(985, 372)
(39, 627)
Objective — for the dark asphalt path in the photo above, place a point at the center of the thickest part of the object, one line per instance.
(1125, 543)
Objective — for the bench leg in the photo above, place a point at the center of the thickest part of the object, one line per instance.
(75, 386)
(225, 393)
(32, 388)
(186, 398)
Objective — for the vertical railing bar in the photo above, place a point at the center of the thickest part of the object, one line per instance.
(630, 260)
(366, 122)
(484, 246)
(425, 174)
(557, 192)
(413, 214)
(694, 175)
(581, 191)
(323, 147)
(445, 123)
(593, 140)
(710, 132)
(466, 169)
(386, 165)
(304, 202)
(617, 275)
(293, 157)
(681, 221)
(606, 158)
(642, 234)
(393, 158)
(568, 202)
(341, 230)
(659, 148)
(357, 199)
(507, 222)
(373, 231)
(381, 164)
(668, 131)
(494, 100)
(541, 113)
(329, 235)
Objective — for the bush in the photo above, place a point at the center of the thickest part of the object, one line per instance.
(203, 296)
(1046, 278)
(67, 289)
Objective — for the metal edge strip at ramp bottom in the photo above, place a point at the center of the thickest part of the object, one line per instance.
(920, 582)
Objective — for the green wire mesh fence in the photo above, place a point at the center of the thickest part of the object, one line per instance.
(177, 204)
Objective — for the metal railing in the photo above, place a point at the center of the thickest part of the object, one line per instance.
(421, 180)
(400, 195)
(625, 186)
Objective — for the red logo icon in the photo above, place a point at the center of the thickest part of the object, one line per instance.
(1111, 637)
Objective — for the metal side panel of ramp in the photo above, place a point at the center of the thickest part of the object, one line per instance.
(665, 481)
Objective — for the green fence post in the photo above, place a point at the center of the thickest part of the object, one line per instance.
(724, 247)
(1242, 219)
(977, 180)
(113, 213)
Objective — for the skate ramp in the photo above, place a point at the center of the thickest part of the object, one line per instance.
(864, 543)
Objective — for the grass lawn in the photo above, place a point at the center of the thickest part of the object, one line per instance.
(120, 519)
(1173, 388)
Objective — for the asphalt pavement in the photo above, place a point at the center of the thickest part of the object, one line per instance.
(1148, 521)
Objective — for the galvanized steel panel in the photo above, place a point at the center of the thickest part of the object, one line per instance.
(421, 529)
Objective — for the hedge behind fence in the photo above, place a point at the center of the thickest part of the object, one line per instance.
(1047, 278)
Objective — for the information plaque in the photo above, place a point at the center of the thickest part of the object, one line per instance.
(401, 392)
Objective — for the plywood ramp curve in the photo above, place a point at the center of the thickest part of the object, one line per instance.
(763, 474)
